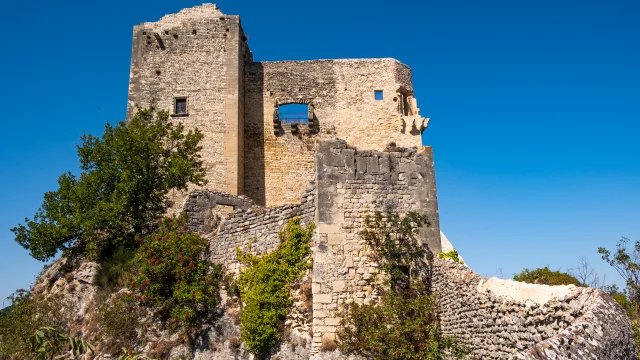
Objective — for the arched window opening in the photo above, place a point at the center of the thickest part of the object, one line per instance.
(293, 113)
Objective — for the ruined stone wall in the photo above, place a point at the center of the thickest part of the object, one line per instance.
(256, 227)
(351, 184)
(199, 54)
(341, 93)
(504, 319)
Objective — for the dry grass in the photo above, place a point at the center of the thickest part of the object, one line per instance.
(328, 344)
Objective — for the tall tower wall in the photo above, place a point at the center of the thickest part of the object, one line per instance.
(196, 55)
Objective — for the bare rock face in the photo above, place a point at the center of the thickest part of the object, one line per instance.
(72, 278)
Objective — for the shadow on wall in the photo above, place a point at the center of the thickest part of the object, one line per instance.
(254, 132)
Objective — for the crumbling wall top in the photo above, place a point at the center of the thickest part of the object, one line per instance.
(204, 11)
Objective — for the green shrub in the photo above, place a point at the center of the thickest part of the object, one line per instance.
(173, 277)
(453, 255)
(112, 269)
(546, 276)
(23, 317)
(265, 285)
(403, 327)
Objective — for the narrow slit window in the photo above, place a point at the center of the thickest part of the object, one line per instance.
(378, 95)
(180, 106)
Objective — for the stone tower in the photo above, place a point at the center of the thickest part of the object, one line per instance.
(196, 64)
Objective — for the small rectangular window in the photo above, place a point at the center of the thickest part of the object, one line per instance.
(378, 95)
(180, 106)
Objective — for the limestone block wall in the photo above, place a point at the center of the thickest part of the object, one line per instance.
(197, 54)
(341, 93)
(504, 319)
(256, 227)
(352, 183)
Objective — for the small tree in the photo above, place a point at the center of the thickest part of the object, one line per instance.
(121, 190)
(394, 244)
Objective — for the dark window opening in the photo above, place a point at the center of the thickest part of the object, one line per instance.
(294, 113)
(378, 95)
(180, 106)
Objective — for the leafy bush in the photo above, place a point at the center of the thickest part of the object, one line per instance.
(403, 327)
(174, 278)
(547, 277)
(121, 191)
(453, 255)
(265, 285)
(23, 317)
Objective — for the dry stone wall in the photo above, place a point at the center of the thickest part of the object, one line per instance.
(504, 319)
(351, 184)
(257, 228)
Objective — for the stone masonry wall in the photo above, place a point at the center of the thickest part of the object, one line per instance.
(504, 319)
(351, 184)
(341, 94)
(258, 227)
(199, 54)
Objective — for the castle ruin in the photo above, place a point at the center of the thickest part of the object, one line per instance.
(357, 145)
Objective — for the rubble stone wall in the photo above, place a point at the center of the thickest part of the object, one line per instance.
(256, 228)
(504, 319)
(351, 184)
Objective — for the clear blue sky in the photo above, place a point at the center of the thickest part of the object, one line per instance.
(534, 107)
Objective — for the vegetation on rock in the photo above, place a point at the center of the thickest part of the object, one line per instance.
(265, 283)
(25, 315)
(121, 191)
(404, 325)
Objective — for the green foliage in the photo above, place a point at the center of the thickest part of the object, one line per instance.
(121, 191)
(112, 269)
(453, 255)
(265, 285)
(23, 317)
(47, 343)
(394, 243)
(547, 277)
(173, 277)
(403, 327)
